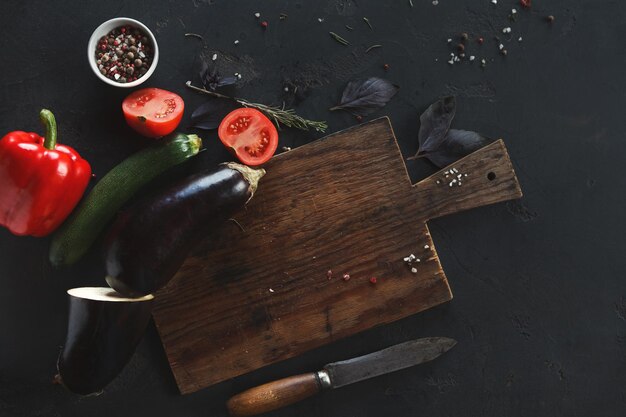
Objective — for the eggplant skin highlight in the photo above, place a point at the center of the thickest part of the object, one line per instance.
(104, 328)
(149, 242)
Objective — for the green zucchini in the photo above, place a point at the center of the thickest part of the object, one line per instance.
(78, 233)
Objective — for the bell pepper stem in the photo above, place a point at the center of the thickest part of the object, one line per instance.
(48, 120)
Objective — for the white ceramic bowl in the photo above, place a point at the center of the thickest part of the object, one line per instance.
(104, 29)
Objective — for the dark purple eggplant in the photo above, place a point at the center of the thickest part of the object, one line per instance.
(149, 242)
(104, 328)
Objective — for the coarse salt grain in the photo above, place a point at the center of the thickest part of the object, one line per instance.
(426, 247)
(214, 57)
(501, 46)
(494, 1)
(414, 270)
(506, 30)
(520, 39)
(257, 15)
(271, 290)
(236, 42)
(472, 57)
(435, 2)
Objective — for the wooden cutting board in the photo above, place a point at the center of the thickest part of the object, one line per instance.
(257, 292)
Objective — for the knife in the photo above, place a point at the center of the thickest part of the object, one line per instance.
(280, 393)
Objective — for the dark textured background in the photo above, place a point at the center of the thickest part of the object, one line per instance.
(540, 296)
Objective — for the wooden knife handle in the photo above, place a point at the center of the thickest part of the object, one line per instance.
(274, 395)
(490, 179)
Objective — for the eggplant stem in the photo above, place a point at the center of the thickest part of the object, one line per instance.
(251, 175)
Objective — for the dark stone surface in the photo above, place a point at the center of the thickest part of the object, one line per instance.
(540, 296)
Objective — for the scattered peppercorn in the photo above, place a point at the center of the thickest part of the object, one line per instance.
(358, 118)
(118, 52)
(481, 40)
(386, 67)
(373, 280)
(526, 3)
(464, 36)
(550, 19)
(460, 47)
(264, 24)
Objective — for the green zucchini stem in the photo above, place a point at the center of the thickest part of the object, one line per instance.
(195, 142)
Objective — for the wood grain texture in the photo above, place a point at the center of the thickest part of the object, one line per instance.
(247, 298)
(273, 395)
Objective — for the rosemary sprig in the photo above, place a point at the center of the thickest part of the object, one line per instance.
(287, 117)
(372, 47)
(338, 38)
(366, 20)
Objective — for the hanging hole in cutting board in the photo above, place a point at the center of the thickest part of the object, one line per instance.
(491, 176)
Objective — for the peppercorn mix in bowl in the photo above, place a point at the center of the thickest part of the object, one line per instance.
(123, 52)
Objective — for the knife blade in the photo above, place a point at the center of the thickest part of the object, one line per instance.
(286, 391)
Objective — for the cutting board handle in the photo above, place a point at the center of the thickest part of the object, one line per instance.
(486, 176)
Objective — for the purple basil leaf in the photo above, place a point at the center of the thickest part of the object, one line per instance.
(209, 114)
(224, 81)
(456, 145)
(435, 123)
(208, 124)
(363, 97)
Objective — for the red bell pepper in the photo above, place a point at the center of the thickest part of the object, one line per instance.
(40, 182)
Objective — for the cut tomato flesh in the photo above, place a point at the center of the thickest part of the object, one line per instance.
(153, 112)
(250, 134)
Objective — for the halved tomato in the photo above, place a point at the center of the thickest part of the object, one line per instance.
(153, 112)
(250, 135)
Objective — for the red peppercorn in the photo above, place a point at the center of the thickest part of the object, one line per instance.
(386, 67)
(373, 280)
(116, 42)
(526, 3)
(481, 40)
(264, 24)
(123, 30)
(103, 47)
(346, 277)
(93, 175)
(358, 117)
